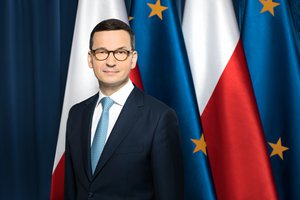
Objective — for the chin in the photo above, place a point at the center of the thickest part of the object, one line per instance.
(114, 83)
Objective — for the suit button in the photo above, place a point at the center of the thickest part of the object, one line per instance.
(91, 195)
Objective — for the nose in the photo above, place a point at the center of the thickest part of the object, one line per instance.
(110, 61)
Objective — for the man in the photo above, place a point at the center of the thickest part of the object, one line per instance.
(121, 143)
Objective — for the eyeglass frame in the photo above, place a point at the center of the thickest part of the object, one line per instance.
(113, 52)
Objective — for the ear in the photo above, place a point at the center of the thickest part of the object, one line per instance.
(134, 59)
(90, 60)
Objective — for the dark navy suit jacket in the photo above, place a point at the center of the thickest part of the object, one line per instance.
(141, 160)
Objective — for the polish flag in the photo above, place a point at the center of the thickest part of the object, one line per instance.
(81, 82)
(232, 129)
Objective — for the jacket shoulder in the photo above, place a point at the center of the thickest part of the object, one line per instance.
(152, 102)
(81, 105)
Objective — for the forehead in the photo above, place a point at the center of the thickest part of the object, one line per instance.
(111, 39)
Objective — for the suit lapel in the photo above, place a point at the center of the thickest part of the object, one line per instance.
(86, 135)
(127, 118)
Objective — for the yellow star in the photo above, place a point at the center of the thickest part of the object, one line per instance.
(278, 149)
(269, 5)
(200, 145)
(157, 9)
(130, 18)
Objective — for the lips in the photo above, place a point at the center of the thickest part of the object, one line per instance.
(110, 71)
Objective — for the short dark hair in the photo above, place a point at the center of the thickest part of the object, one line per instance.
(113, 25)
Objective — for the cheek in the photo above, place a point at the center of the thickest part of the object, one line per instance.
(98, 66)
(97, 70)
(126, 67)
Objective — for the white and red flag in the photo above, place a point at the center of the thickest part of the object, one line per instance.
(232, 129)
(81, 82)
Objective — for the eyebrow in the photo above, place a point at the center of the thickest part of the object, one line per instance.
(102, 48)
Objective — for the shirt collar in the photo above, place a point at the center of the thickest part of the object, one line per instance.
(121, 95)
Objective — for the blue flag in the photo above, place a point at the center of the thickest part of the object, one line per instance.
(165, 74)
(273, 58)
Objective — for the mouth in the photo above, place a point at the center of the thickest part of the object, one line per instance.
(110, 71)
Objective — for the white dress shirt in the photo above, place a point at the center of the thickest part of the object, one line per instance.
(119, 99)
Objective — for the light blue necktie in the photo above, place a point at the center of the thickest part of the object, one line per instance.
(101, 132)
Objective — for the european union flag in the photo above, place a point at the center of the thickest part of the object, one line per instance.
(270, 42)
(165, 74)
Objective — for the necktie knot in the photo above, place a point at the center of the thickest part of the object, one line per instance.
(106, 103)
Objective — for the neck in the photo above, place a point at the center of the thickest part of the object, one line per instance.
(108, 90)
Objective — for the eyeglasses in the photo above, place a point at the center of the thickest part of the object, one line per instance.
(119, 54)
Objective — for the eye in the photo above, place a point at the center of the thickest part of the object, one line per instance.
(121, 52)
(101, 51)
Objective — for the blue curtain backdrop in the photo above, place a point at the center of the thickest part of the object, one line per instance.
(35, 41)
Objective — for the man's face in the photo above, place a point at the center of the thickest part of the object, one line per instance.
(111, 73)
